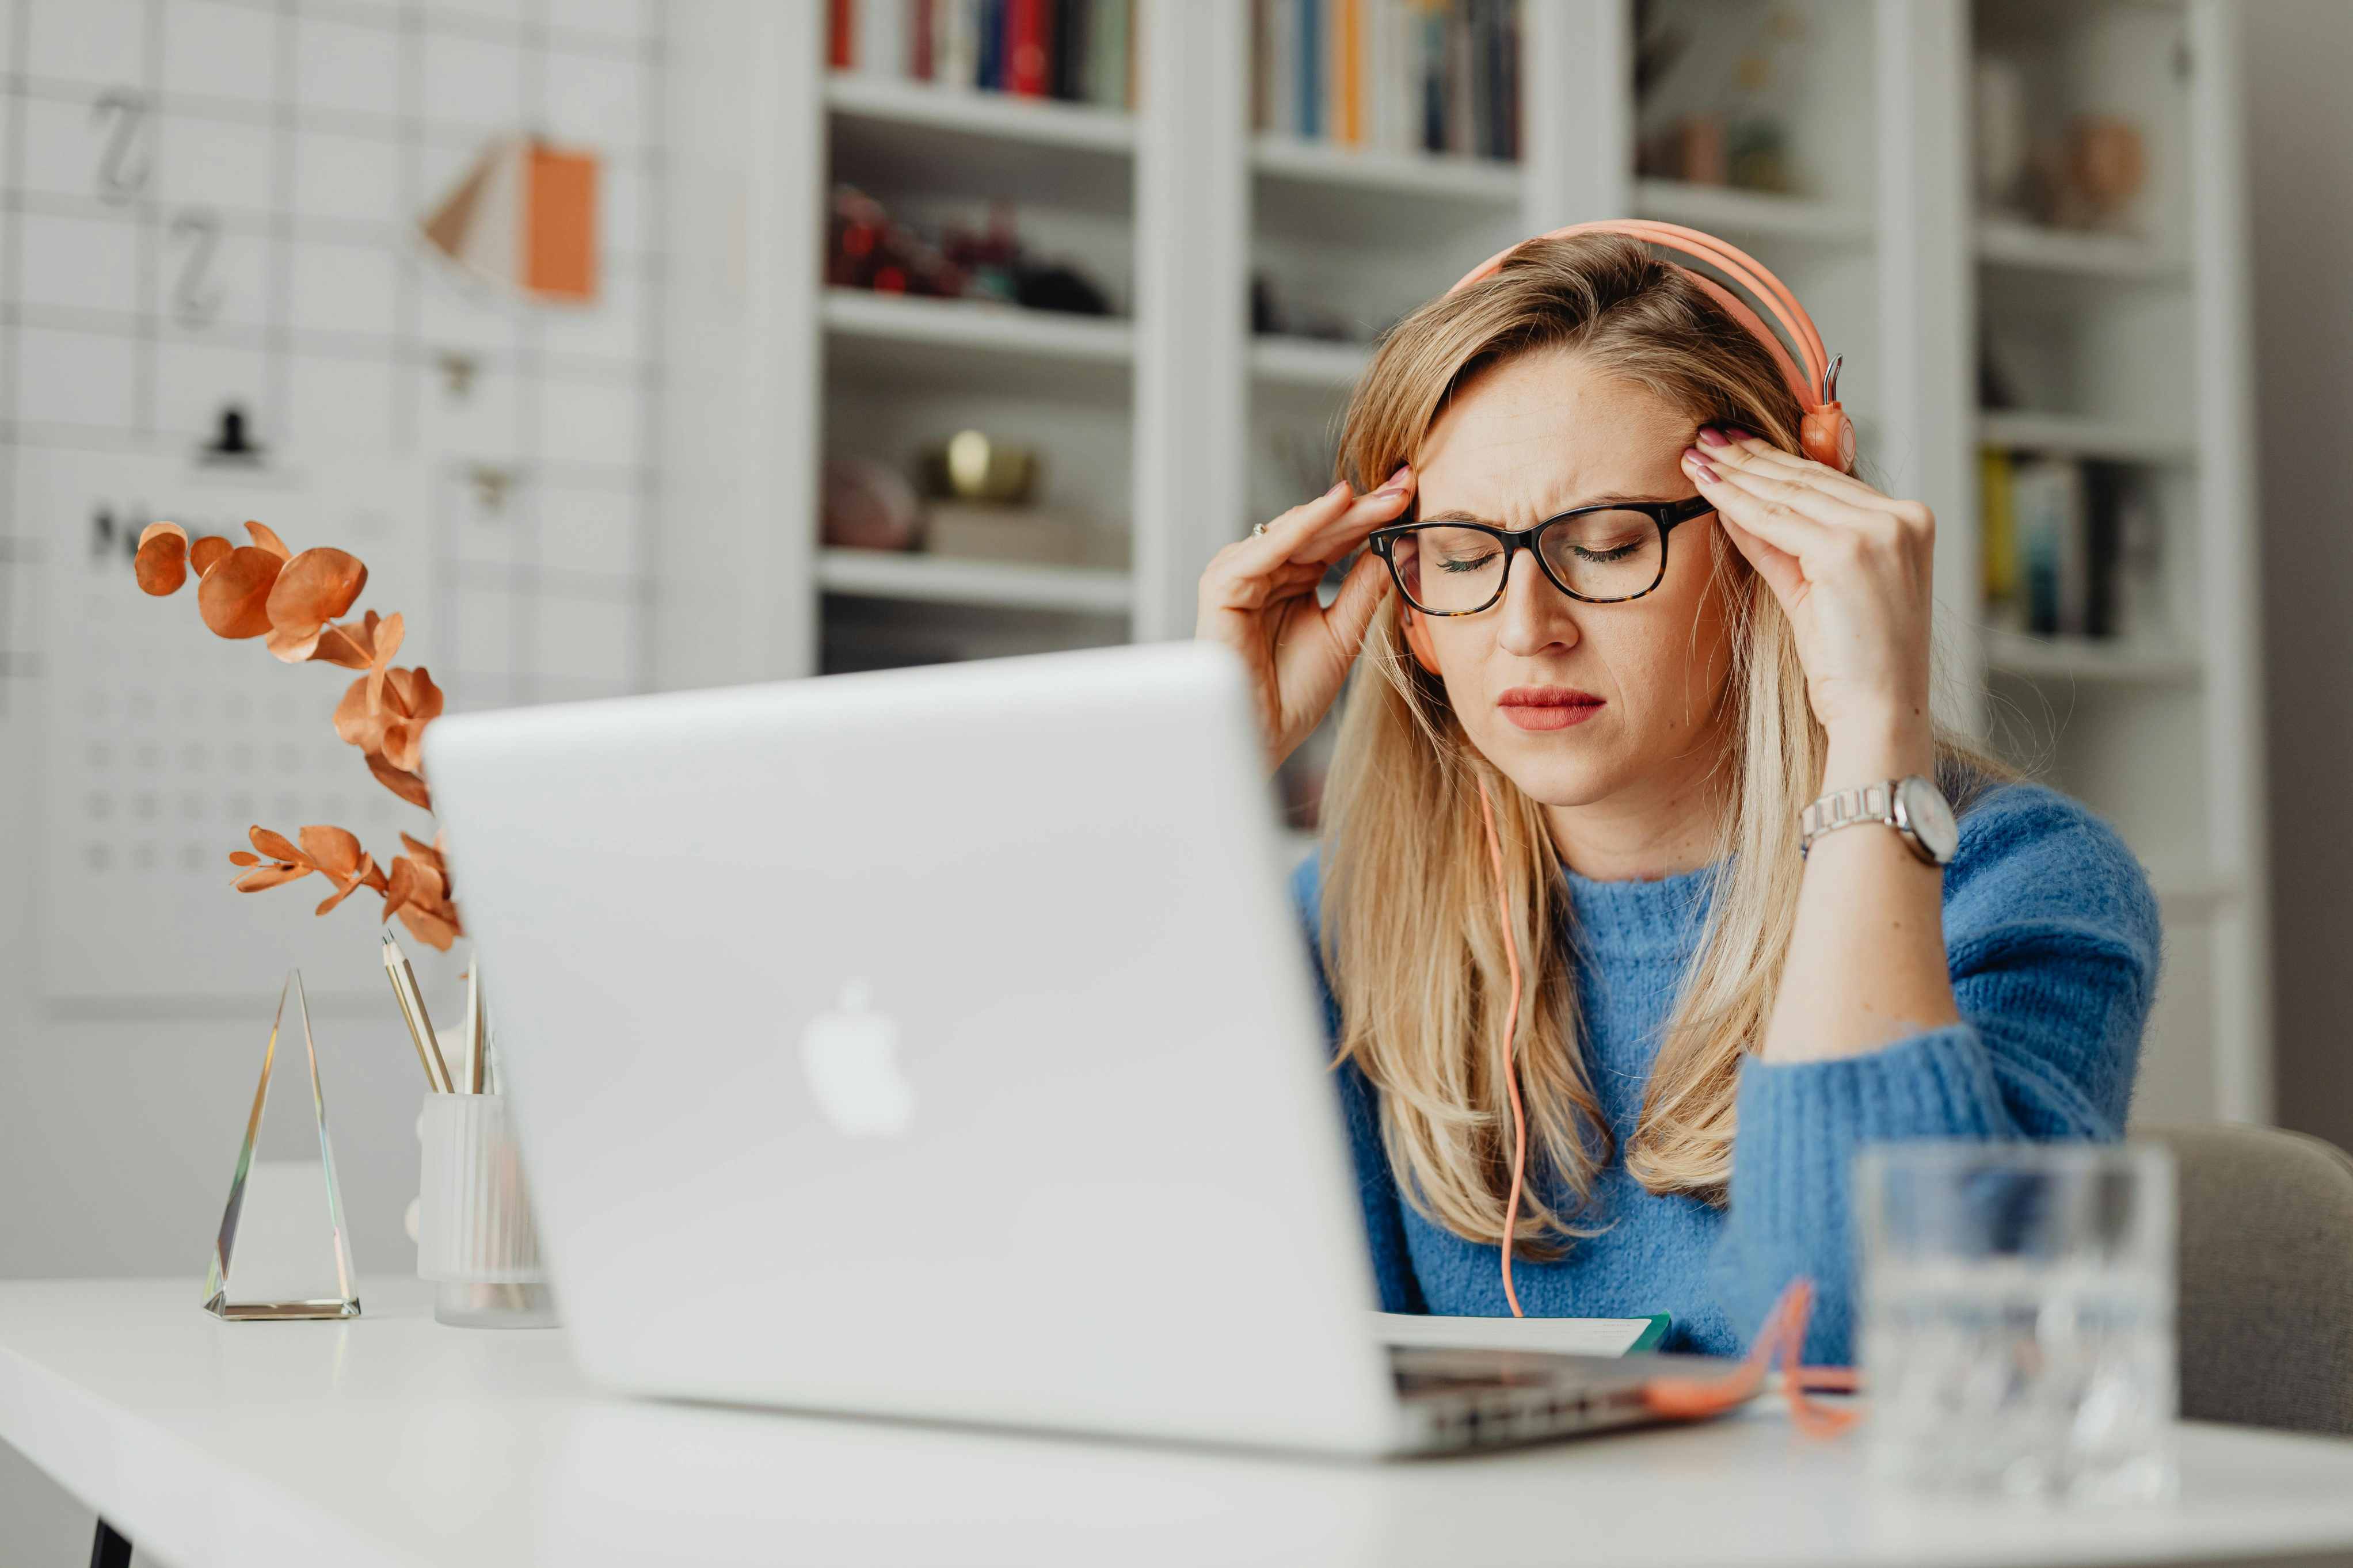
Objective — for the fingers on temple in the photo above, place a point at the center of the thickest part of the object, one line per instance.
(1746, 453)
(1794, 496)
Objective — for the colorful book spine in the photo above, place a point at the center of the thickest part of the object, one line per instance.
(1997, 527)
(881, 44)
(1066, 57)
(842, 33)
(1282, 67)
(921, 62)
(1026, 60)
(1348, 70)
(988, 69)
(1108, 33)
(1311, 69)
(2048, 496)
(956, 48)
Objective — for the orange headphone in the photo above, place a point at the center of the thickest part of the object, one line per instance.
(1826, 434)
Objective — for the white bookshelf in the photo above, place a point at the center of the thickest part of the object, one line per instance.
(2012, 243)
(1308, 362)
(2130, 349)
(954, 326)
(913, 575)
(1171, 419)
(2145, 661)
(1743, 216)
(2081, 436)
(970, 113)
(1452, 179)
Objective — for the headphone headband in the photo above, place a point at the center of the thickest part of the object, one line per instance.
(1811, 374)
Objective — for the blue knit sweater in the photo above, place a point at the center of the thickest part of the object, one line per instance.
(2053, 936)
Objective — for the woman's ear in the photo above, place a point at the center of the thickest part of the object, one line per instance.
(1416, 637)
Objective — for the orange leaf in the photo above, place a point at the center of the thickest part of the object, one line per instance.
(314, 589)
(354, 723)
(243, 857)
(421, 701)
(401, 741)
(400, 781)
(268, 540)
(429, 927)
(388, 633)
(335, 850)
(421, 698)
(209, 552)
(341, 645)
(269, 877)
(356, 882)
(162, 563)
(234, 597)
(273, 845)
(415, 882)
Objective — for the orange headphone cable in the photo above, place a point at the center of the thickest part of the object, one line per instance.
(1511, 1041)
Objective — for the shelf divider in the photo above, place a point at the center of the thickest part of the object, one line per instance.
(977, 112)
(949, 579)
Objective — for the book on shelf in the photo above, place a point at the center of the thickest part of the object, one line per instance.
(1398, 75)
(974, 531)
(2069, 545)
(1079, 51)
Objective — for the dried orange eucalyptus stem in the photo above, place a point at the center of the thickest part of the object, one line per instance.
(265, 590)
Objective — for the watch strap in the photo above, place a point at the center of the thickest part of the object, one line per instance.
(1845, 807)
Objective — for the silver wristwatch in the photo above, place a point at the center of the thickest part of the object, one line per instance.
(1914, 807)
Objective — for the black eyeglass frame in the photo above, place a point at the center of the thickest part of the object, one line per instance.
(1664, 514)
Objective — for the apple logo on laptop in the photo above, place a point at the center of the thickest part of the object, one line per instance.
(852, 1058)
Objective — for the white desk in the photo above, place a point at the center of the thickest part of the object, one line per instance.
(393, 1440)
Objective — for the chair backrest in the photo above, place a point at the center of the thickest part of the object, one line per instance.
(2266, 1312)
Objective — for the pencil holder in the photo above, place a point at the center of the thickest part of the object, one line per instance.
(475, 1238)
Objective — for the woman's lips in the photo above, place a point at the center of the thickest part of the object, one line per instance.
(1547, 707)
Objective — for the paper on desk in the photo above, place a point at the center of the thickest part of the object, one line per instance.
(1572, 1336)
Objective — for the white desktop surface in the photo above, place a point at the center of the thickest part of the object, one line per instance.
(390, 1439)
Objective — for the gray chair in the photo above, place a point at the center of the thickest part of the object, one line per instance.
(2266, 1312)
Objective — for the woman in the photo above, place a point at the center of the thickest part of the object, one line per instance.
(1709, 1022)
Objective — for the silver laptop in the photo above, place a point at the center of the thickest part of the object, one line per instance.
(940, 1044)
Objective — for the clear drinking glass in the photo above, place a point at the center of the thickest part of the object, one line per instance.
(476, 1239)
(2017, 1317)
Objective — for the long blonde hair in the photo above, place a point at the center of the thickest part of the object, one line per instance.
(1410, 938)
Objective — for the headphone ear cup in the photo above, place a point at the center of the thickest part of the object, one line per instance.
(1416, 637)
(1827, 435)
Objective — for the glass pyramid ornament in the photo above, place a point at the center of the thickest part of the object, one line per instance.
(281, 1252)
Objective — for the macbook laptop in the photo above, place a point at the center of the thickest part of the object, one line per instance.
(940, 1043)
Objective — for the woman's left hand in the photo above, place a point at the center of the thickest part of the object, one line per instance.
(1851, 567)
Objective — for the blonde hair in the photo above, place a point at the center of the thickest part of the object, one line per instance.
(1410, 937)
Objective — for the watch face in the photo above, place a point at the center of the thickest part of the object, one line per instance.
(1930, 819)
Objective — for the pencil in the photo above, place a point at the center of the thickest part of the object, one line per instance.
(475, 1028)
(412, 1012)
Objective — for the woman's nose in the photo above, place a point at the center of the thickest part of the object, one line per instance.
(1536, 615)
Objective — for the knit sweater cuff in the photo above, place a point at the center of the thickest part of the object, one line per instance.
(1792, 1155)
(1801, 1122)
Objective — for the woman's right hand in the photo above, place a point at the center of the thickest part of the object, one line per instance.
(1258, 598)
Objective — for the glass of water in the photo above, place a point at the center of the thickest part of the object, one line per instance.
(2017, 1317)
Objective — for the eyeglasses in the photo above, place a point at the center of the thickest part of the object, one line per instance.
(1598, 555)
